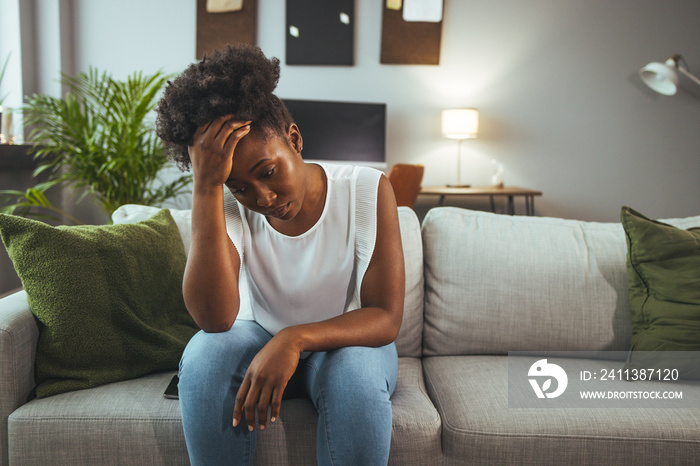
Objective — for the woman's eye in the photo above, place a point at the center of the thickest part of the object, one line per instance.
(237, 190)
(269, 173)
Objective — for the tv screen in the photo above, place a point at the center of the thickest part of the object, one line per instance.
(345, 132)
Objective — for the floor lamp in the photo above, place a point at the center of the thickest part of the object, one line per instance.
(460, 124)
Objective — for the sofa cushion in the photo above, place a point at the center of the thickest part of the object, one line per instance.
(107, 298)
(130, 422)
(664, 279)
(408, 342)
(497, 283)
(416, 433)
(471, 394)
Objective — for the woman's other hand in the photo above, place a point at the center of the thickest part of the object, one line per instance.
(265, 380)
(212, 149)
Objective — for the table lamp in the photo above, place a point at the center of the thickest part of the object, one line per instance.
(460, 124)
(663, 77)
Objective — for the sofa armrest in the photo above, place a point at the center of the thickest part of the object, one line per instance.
(19, 336)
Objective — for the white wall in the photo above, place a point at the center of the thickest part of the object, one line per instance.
(555, 82)
(10, 47)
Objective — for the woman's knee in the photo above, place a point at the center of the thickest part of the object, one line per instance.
(358, 373)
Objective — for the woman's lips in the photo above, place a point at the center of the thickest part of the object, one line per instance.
(279, 212)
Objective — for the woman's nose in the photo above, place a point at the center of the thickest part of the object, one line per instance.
(266, 198)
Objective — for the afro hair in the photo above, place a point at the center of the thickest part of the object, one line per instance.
(238, 80)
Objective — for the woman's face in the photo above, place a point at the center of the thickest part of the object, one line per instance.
(268, 174)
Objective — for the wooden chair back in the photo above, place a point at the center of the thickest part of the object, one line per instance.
(406, 181)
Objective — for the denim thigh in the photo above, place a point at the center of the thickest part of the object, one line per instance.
(211, 371)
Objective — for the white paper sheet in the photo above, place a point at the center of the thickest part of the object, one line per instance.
(429, 11)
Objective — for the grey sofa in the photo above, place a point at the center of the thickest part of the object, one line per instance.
(478, 286)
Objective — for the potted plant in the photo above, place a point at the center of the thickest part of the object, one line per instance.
(98, 139)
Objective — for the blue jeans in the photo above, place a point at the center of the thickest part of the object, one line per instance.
(350, 388)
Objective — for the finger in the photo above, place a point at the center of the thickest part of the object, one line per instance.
(205, 135)
(216, 124)
(240, 399)
(249, 406)
(276, 404)
(235, 137)
(263, 404)
(228, 128)
(201, 130)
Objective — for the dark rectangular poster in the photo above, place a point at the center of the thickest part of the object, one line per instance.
(320, 32)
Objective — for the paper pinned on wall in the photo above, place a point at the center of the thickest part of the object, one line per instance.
(428, 11)
(393, 4)
(224, 6)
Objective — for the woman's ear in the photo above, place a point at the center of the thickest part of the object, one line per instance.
(294, 137)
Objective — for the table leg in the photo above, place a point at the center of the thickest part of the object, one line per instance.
(442, 200)
(530, 205)
(493, 204)
(511, 206)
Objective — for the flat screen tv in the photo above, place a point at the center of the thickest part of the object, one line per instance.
(343, 132)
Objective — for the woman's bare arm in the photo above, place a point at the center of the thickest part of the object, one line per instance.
(210, 284)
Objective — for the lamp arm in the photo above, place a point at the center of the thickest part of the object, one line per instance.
(689, 75)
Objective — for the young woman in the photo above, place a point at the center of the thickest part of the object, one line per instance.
(295, 273)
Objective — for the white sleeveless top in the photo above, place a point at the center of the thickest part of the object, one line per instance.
(289, 280)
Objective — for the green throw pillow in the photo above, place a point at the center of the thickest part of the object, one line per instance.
(663, 268)
(108, 298)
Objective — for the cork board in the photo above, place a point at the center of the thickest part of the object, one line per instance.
(216, 30)
(409, 43)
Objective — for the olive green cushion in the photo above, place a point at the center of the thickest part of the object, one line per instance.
(663, 268)
(107, 298)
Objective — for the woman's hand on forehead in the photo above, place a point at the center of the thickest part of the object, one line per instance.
(212, 149)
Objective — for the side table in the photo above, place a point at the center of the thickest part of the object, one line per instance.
(511, 192)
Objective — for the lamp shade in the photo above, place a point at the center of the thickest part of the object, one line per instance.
(460, 123)
(661, 77)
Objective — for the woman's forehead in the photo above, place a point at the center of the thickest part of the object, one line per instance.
(253, 151)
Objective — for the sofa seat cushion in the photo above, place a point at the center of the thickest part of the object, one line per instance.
(130, 422)
(471, 394)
